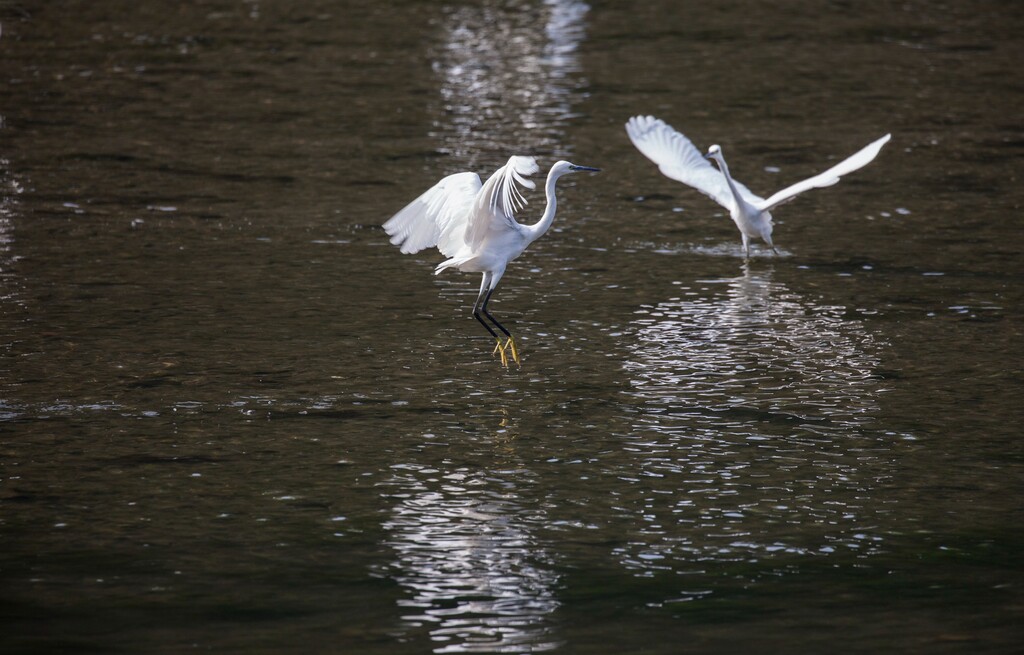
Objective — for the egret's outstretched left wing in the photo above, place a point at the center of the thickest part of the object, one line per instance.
(438, 217)
(499, 199)
(862, 158)
(679, 159)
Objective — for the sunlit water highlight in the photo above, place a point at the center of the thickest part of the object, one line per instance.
(756, 411)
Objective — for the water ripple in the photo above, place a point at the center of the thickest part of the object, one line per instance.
(753, 431)
(508, 77)
(465, 552)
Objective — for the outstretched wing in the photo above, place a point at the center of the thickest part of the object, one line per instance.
(499, 199)
(680, 160)
(862, 158)
(438, 217)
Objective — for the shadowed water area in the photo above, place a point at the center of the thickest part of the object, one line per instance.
(234, 418)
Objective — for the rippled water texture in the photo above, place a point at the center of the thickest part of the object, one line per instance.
(234, 418)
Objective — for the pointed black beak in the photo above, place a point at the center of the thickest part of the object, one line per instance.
(585, 168)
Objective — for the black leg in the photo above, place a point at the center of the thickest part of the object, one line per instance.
(492, 319)
(484, 294)
(509, 347)
(476, 315)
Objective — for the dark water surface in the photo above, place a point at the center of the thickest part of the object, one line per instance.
(233, 418)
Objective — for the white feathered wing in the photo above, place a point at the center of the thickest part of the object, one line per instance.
(679, 159)
(458, 213)
(437, 218)
(859, 159)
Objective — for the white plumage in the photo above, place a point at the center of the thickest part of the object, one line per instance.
(474, 225)
(679, 159)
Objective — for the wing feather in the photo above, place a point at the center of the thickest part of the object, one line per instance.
(679, 159)
(499, 199)
(438, 217)
(861, 158)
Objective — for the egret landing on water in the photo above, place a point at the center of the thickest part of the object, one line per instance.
(678, 159)
(474, 226)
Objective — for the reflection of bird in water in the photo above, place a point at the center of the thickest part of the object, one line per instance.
(506, 435)
(473, 224)
(505, 423)
(678, 159)
(755, 426)
(758, 346)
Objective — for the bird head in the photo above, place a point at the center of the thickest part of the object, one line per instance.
(563, 167)
(715, 155)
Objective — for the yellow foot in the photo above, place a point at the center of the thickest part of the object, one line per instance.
(500, 350)
(509, 347)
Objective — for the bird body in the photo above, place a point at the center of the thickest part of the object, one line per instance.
(752, 221)
(474, 225)
(679, 159)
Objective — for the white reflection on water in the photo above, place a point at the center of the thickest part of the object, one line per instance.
(10, 189)
(754, 430)
(476, 576)
(758, 346)
(508, 77)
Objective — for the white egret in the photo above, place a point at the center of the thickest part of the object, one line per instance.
(680, 160)
(474, 226)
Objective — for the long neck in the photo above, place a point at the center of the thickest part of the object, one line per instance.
(538, 229)
(736, 196)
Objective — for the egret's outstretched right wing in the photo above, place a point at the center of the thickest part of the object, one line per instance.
(680, 160)
(499, 199)
(438, 217)
(857, 160)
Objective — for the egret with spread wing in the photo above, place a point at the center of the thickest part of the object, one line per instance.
(678, 159)
(473, 225)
